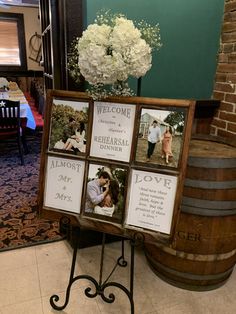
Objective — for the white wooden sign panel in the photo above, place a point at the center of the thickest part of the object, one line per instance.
(64, 183)
(112, 131)
(151, 200)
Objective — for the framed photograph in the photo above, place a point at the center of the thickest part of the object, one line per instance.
(151, 200)
(69, 126)
(105, 192)
(64, 184)
(112, 131)
(161, 136)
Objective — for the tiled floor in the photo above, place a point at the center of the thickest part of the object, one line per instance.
(29, 276)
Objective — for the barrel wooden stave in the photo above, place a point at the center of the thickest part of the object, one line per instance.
(222, 174)
(204, 235)
(214, 195)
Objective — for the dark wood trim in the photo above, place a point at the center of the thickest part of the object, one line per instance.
(54, 48)
(205, 111)
(29, 73)
(76, 15)
(19, 18)
(61, 22)
(206, 108)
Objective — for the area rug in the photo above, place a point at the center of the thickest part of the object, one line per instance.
(20, 225)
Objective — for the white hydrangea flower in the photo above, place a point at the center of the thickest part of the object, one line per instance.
(124, 34)
(109, 53)
(96, 34)
(140, 59)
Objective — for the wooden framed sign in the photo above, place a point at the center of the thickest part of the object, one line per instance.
(115, 165)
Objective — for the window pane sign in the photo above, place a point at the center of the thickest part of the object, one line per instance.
(117, 163)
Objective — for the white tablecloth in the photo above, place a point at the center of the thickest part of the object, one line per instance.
(25, 110)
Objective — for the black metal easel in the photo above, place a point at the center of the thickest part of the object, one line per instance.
(101, 285)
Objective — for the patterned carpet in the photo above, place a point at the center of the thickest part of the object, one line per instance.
(19, 222)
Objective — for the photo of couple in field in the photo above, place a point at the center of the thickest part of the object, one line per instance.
(160, 136)
(69, 121)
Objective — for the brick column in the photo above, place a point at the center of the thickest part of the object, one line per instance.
(224, 123)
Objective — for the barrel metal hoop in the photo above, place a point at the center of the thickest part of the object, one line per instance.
(189, 275)
(206, 204)
(210, 184)
(190, 286)
(207, 212)
(206, 162)
(197, 257)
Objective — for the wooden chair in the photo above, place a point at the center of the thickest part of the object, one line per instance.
(10, 123)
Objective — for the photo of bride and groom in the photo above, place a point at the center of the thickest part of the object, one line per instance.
(105, 192)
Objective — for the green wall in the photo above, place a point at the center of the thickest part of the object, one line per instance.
(190, 30)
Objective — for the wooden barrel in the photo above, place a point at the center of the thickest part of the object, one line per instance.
(203, 253)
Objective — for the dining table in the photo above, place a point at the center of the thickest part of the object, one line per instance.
(25, 110)
(26, 115)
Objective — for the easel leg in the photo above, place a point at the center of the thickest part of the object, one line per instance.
(102, 258)
(72, 271)
(121, 260)
(132, 271)
(111, 297)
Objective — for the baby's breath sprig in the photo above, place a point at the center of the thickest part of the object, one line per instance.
(98, 91)
(73, 59)
(121, 89)
(150, 33)
(106, 17)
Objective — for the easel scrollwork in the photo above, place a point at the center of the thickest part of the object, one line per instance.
(101, 285)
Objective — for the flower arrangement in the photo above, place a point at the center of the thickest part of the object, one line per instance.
(110, 51)
(4, 84)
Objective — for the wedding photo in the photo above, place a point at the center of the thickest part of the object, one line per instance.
(105, 192)
(68, 131)
(160, 136)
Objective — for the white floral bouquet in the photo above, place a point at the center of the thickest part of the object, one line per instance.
(110, 51)
(4, 83)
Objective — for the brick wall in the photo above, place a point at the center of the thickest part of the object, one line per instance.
(224, 123)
